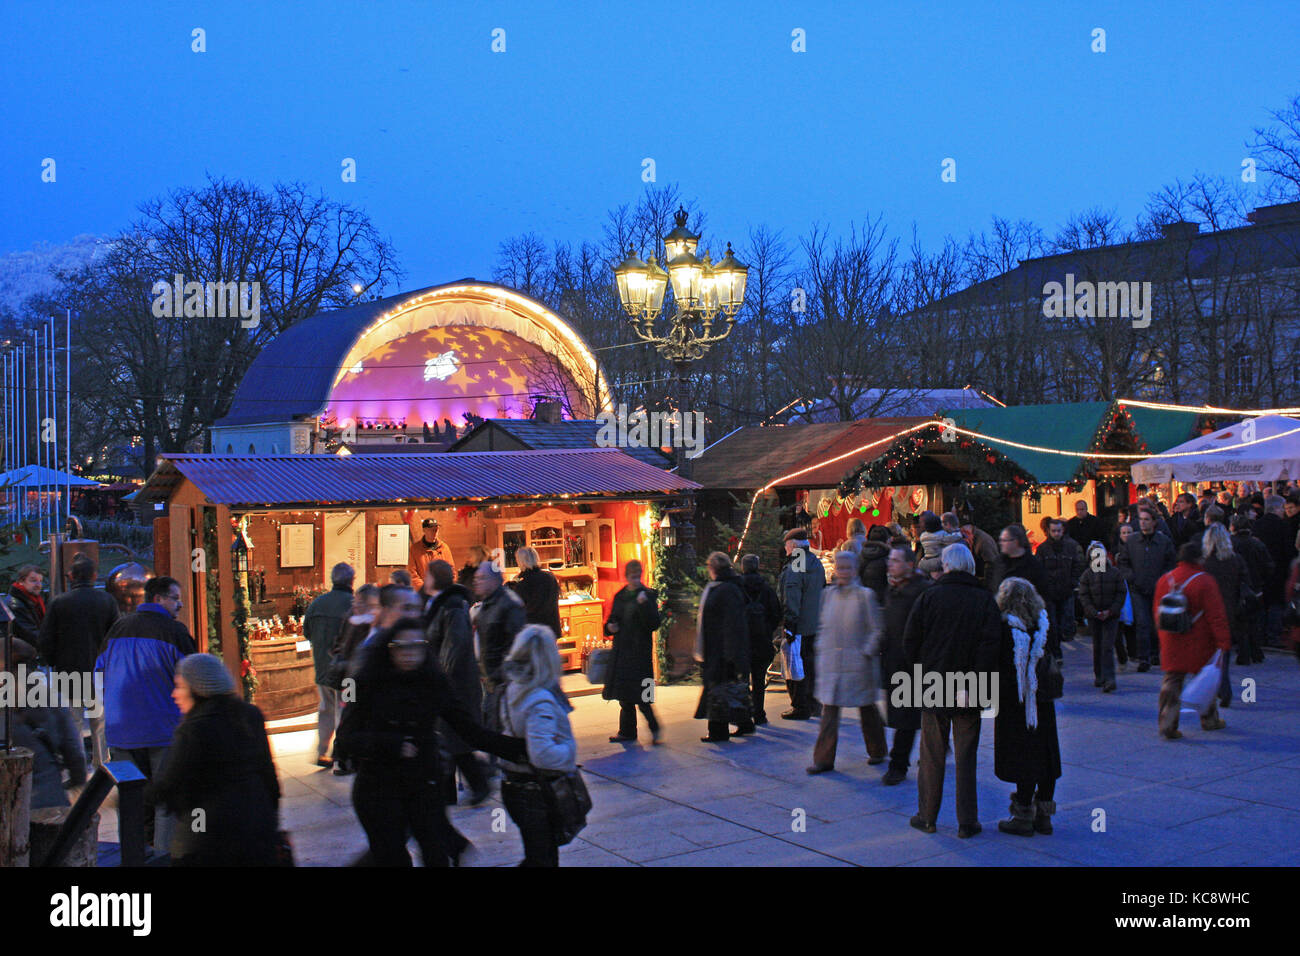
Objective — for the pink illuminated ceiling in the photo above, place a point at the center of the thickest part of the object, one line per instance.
(444, 373)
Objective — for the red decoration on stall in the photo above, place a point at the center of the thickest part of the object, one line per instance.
(463, 514)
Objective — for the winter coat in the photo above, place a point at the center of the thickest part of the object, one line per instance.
(634, 644)
(1144, 559)
(985, 551)
(932, 545)
(1102, 591)
(1084, 531)
(722, 637)
(423, 554)
(451, 642)
(1019, 753)
(893, 657)
(139, 665)
(219, 772)
(954, 626)
(1233, 577)
(1257, 559)
(52, 737)
(393, 707)
(1062, 563)
(1185, 526)
(74, 628)
(1026, 566)
(850, 632)
(28, 614)
(540, 593)
(801, 591)
(873, 571)
(541, 719)
(325, 618)
(1271, 531)
(500, 618)
(761, 633)
(1188, 653)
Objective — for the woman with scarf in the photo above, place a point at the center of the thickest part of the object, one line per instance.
(534, 708)
(24, 601)
(1026, 751)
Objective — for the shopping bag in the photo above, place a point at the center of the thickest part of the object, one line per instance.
(1126, 612)
(1200, 692)
(598, 662)
(791, 661)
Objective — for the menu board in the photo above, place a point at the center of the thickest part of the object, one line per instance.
(392, 546)
(345, 542)
(297, 545)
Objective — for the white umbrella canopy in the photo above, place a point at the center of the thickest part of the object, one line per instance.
(1266, 448)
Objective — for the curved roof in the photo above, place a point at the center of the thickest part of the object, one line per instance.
(294, 375)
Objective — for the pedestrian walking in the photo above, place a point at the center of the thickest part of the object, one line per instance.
(1084, 528)
(1126, 641)
(872, 561)
(1236, 588)
(1062, 562)
(497, 623)
(538, 589)
(1017, 560)
(451, 643)
(906, 584)
(722, 647)
(800, 587)
(632, 623)
(391, 732)
(47, 730)
(1102, 591)
(762, 617)
(954, 629)
(1145, 557)
(72, 632)
(1026, 750)
(139, 662)
(1270, 529)
(851, 628)
(1186, 652)
(1260, 563)
(465, 575)
(219, 780)
(321, 626)
(535, 711)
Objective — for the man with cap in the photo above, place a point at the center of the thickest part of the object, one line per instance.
(425, 547)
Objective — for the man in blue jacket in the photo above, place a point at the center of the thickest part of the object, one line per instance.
(139, 662)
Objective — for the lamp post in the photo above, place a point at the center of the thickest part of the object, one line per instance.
(701, 291)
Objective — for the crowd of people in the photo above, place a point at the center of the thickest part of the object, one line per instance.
(418, 678)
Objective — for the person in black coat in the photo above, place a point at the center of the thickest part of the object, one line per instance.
(1260, 563)
(72, 633)
(1026, 750)
(632, 623)
(872, 571)
(1145, 558)
(1270, 529)
(539, 591)
(1232, 574)
(390, 732)
(451, 642)
(722, 647)
(1017, 560)
(1102, 591)
(954, 629)
(219, 779)
(47, 731)
(905, 585)
(1085, 528)
(762, 615)
(25, 603)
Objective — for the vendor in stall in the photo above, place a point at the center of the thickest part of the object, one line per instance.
(425, 546)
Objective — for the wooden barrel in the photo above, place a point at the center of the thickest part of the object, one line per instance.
(286, 678)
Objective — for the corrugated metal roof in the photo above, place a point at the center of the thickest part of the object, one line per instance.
(277, 480)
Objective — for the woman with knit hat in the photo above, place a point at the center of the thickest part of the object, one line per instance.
(219, 779)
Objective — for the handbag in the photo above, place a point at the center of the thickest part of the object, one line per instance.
(1051, 681)
(1126, 612)
(598, 664)
(791, 658)
(728, 702)
(567, 803)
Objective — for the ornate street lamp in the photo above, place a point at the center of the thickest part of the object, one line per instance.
(701, 290)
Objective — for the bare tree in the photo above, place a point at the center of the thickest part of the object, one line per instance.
(1277, 150)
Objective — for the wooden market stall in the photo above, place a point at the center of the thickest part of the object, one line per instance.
(252, 539)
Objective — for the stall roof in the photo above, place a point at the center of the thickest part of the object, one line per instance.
(752, 456)
(569, 433)
(38, 476)
(282, 480)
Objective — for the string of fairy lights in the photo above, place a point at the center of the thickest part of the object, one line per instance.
(895, 460)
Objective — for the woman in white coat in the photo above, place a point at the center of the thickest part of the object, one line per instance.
(849, 633)
(534, 707)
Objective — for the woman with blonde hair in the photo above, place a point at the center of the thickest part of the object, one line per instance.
(477, 555)
(1026, 750)
(533, 707)
(538, 589)
(1232, 574)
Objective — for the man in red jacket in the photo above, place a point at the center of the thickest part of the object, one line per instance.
(1184, 654)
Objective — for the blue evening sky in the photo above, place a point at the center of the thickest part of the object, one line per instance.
(458, 148)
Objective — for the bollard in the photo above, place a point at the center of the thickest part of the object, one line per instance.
(15, 806)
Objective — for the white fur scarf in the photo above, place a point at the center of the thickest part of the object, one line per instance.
(1027, 652)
